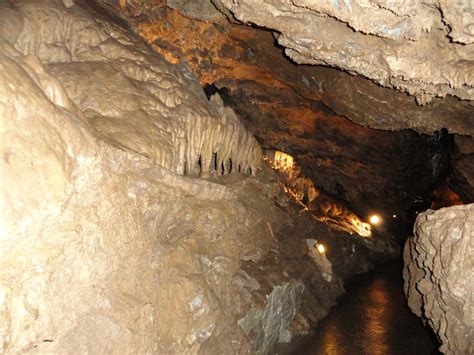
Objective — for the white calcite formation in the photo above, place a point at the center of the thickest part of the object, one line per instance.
(125, 94)
(423, 48)
(105, 246)
(439, 275)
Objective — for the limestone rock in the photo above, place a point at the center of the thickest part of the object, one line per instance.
(106, 246)
(178, 129)
(286, 107)
(109, 242)
(198, 9)
(368, 104)
(96, 131)
(245, 58)
(439, 275)
(391, 49)
(271, 323)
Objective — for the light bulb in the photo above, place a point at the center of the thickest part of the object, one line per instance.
(321, 248)
(375, 219)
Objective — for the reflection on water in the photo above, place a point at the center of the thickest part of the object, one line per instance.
(372, 318)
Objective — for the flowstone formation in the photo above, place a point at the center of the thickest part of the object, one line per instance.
(109, 240)
(97, 132)
(116, 84)
(439, 275)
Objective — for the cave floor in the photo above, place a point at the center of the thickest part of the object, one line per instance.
(372, 318)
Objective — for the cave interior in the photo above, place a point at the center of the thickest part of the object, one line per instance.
(212, 176)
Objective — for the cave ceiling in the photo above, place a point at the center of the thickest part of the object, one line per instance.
(429, 64)
(420, 47)
(305, 109)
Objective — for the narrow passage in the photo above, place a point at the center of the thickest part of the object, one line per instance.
(372, 318)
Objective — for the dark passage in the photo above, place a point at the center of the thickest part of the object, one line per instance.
(372, 318)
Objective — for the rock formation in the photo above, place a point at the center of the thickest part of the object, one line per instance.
(297, 108)
(137, 215)
(185, 130)
(245, 58)
(390, 49)
(109, 241)
(96, 133)
(439, 275)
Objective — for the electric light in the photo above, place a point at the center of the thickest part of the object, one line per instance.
(375, 219)
(321, 248)
(394, 216)
(282, 161)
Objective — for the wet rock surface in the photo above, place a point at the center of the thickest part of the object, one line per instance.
(439, 275)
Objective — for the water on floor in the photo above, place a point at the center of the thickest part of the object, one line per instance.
(372, 318)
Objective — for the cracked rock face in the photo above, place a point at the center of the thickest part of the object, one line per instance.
(439, 275)
(390, 49)
(156, 116)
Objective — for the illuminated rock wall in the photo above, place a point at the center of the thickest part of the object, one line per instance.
(125, 95)
(439, 275)
(103, 241)
(321, 206)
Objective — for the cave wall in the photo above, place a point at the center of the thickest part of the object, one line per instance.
(111, 240)
(217, 50)
(94, 130)
(424, 53)
(439, 275)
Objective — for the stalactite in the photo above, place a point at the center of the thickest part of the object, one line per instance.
(126, 96)
(226, 140)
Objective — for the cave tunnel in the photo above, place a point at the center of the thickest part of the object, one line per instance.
(236, 177)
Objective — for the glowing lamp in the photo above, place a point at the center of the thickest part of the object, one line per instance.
(321, 248)
(375, 219)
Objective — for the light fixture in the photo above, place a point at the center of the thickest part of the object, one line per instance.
(375, 219)
(394, 216)
(282, 161)
(321, 248)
